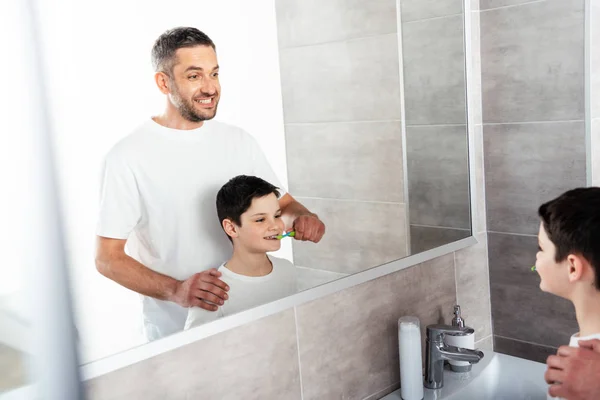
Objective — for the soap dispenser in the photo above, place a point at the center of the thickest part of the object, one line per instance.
(466, 341)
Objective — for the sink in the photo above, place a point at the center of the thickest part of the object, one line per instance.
(496, 377)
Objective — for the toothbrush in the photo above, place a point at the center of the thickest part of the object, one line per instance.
(287, 234)
(533, 268)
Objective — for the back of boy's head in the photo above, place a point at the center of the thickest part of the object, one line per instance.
(572, 222)
(235, 197)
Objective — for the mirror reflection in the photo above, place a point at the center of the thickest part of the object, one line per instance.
(230, 155)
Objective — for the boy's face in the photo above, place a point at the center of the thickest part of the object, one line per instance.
(555, 276)
(260, 224)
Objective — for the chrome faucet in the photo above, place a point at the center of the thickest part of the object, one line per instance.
(436, 352)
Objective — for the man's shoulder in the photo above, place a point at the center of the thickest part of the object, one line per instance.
(130, 143)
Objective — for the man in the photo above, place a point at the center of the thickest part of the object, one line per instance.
(159, 188)
(574, 373)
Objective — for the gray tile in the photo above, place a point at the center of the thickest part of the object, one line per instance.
(360, 235)
(349, 341)
(527, 165)
(474, 96)
(237, 364)
(486, 344)
(438, 176)
(595, 151)
(595, 58)
(473, 287)
(532, 62)
(423, 238)
(479, 221)
(434, 71)
(355, 80)
(12, 368)
(384, 392)
(308, 22)
(309, 278)
(412, 10)
(491, 4)
(353, 161)
(520, 310)
(528, 351)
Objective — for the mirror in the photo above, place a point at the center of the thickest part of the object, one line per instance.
(370, 138)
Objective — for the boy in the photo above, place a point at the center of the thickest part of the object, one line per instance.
(568, 259)
(249, 213)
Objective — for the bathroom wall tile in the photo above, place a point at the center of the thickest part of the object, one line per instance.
(528, 351)
(491, 4)
(354, 80)
(595, 58)
(595, 152)
(527, 165)
(423, 238)
(438, 176)
(486, 344)
(473, 287)
(243, 363)
(474, 95)
(520, 310)
(308, 278)
(479, 218)
(532, 62)
(308, 22)
(434, 71)
(359, 236)
(353, 161)
(348, 341)
(12, 368)
(412, 10)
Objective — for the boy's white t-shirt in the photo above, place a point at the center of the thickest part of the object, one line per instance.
(248, 291)
(159, 187)
(574, 342)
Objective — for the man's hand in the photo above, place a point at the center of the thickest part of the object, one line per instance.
(309, 228)
(204, 290)
(574, 373)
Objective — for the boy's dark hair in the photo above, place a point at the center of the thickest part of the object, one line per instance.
(572, 222)
(235, 197)
(163, 51)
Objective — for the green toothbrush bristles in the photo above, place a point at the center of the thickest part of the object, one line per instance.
(290, 234)
(533, 268)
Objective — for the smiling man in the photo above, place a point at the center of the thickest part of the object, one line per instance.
(159, 187)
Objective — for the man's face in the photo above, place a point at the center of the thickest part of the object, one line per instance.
(555, 276)
(260, 224)
(195, 87)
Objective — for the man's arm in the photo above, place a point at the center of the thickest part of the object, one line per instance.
(113, 263)
(574, 373)
(307, 225)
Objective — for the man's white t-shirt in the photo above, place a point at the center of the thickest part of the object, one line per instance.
(159, 187)
(249, 291)
(574, 342)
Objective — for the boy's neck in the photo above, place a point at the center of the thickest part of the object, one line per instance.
(587, 309)
(247, 263)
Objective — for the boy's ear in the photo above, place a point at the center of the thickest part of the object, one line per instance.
(579, 268)
(230, 228)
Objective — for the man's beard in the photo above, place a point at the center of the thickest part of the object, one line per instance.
(188, 111)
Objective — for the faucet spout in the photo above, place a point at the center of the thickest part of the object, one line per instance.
(453, 353)
(436, 352)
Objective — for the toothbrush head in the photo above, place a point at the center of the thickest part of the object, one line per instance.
(287, 234)
(533, 268)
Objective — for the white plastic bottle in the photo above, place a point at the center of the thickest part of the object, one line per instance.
(411, 360)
